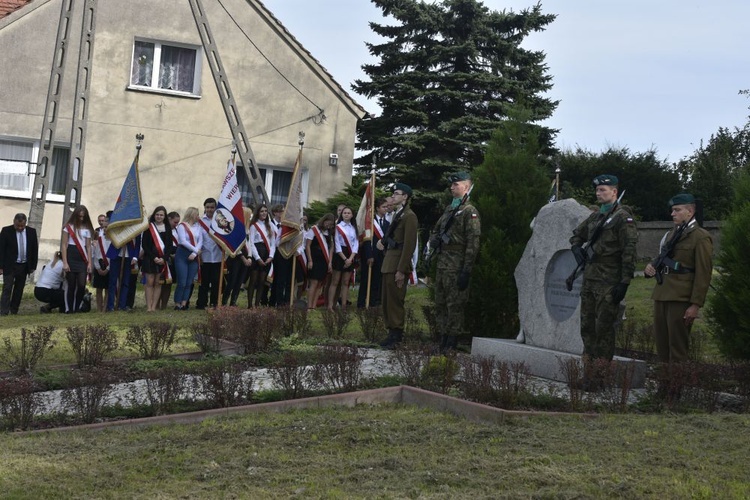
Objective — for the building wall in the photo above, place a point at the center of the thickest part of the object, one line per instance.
(187, 140)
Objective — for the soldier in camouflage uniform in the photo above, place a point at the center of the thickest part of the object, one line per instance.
(610, 267)
(457, 253)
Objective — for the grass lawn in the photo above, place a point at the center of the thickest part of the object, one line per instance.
(390, 451)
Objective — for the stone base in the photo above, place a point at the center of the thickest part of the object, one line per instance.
(542, 362)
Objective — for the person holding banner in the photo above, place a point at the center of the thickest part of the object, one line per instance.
(157, 247)
(262, 240)
(346, 246)
(369, 253)
(318, 247)
(76, 256)
(189, 245)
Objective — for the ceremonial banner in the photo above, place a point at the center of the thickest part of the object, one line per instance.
(128, 217)
(366, 211)
(228, 225)
(291, 236)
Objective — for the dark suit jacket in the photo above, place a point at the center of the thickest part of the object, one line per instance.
(9, 248)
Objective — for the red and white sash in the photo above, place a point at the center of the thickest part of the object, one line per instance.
(322, 243)
(102, 250)
(161, 252)
(348, 250)
(72, 235)
(259, 229)
(377, 229)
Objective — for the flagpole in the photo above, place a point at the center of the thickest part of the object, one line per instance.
(372, 246)
(557, 183)
(221, 277)
(293, 284)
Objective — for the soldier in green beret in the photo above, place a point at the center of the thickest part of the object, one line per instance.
(686, 277)
(609, 269)
(398, 243)
(456, 234)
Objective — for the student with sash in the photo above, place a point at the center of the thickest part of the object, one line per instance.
(157, 247)
(262, 241)
(122, 263)
(372, 258)
(100, 279)
(49, 286)
(173, 219)
(319, 248)
(189, 247)
(346, 246)
(238, 267)
(210, 261)
(76, 256)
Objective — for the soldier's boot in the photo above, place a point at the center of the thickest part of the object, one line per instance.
(394, 337)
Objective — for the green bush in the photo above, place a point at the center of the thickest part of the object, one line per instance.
(727, 307)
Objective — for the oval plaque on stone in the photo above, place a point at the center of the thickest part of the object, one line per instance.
(561, 304)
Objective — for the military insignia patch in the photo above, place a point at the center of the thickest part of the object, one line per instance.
(629, 220)
(473, 216)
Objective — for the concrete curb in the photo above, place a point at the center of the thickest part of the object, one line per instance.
(399, 394)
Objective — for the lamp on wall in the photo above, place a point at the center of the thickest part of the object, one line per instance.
(333, 160)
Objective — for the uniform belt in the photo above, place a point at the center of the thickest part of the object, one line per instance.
(454, 246)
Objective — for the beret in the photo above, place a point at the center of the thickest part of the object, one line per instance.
(682, 199)
(400, 186)
(459, 176)
(605, 180)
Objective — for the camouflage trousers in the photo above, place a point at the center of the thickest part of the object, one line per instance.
(449, 303)
(598, 318)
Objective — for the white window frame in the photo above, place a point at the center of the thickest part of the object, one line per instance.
(31, 168)
(269, 180)
(154, 87)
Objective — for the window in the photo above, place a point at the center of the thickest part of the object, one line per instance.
(15, 158)
(166, 68)
(18, 164)
(276, 181)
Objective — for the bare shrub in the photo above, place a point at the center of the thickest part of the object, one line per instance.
(222, 382)
(371, 321)
(205, 338)
(294, 321)
(23, 357)
(335, 322)
(254, 329)
(440, 372)
(153, 339)
(166, 383)
(19, 402)
(293, 374)
(91, 343)
(90, 389)
(409, 360)
(339, 367)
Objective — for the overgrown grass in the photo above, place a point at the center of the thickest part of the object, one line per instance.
(389, 451)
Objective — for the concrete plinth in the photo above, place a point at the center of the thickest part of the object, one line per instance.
(542, 362)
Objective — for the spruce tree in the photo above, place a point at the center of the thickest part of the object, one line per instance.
(447, 74)
(510, 188)
(727, 307)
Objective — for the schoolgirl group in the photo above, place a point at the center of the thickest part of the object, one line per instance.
(178, 250)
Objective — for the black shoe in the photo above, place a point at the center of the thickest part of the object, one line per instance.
(44, 309)
(394, 337)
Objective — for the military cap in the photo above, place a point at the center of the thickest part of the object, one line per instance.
(605, 180)
(682, 199)
(400, 186)
(459, 176)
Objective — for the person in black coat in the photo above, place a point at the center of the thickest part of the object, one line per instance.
(19, 252)
(372, 258)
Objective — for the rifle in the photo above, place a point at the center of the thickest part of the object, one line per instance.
(587, 252)
(434, 245)
(664, 262)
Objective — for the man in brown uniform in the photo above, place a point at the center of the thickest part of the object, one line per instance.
(399, 243)
(686, 278)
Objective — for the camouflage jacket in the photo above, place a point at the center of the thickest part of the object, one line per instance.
(613, 259)
(462, 247)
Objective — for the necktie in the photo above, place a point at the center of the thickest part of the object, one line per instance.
(21, 248)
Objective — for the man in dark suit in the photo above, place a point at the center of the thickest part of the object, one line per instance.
(19, 249)
(372, 258)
